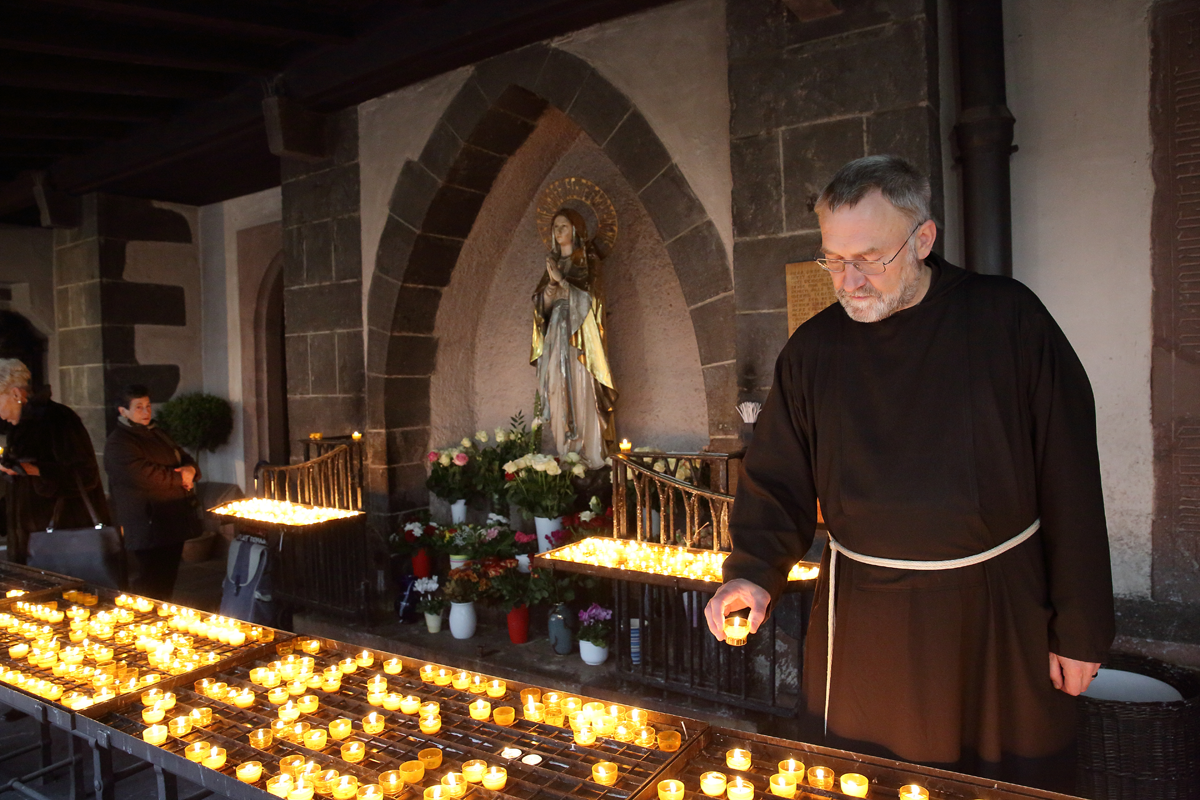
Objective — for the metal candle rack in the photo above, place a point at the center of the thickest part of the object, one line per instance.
(708, 753)
(35, 583)
(564, 769)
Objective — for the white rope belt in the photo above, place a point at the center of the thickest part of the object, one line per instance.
(899, 563)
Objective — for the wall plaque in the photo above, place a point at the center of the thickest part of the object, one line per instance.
(809, 290)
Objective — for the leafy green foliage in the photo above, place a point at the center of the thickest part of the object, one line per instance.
(197, 421)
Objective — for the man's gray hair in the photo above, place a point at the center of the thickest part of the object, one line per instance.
(13, 373)
(899, 181)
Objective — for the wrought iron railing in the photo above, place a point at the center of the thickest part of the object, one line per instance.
(333, 479)
(674, 498)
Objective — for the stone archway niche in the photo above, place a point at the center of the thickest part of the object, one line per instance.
(483, 325)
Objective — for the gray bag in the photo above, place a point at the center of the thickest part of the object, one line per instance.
(95, 555)
(246, 590)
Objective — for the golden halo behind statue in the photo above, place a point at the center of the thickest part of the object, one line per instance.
(585, 197)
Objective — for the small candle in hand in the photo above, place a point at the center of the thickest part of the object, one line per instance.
(736, 630)
(605, 773)
(670, 790)
(713, 783)
(626, 446)
(854, 784)
(783, 784)
(822, 777)
(739, 789)
(249, 771)
(495, 778)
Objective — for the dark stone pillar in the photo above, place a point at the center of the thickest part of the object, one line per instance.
(806, 97)
(322, 298)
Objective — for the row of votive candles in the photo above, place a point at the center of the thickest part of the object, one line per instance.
(792, 773)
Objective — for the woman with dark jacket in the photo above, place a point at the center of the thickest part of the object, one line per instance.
(49, 456)
(151, 480)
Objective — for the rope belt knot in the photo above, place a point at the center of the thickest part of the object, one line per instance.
(899, 563)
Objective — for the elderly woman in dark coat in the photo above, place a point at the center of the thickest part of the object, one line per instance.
(151, 480)
(49, 456)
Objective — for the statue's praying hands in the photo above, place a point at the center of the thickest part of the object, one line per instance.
(555, 290)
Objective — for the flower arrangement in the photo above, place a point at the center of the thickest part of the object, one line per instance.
(511, 587)
(595, 625)
(524, 543)
(450, 473)
(466, 584)
(595, 520)
(540, 484)
(412, 536)
(432, 601)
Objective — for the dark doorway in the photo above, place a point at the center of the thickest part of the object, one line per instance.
(19, 339)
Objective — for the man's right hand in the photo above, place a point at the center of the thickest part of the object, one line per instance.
(188, 474)
(734, 596)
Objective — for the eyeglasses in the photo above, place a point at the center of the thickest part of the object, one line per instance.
(866, 267)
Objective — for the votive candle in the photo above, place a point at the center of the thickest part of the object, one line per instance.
(364, 659)
(912, 791)
(341, 728)
(278, 695)
(307, 703)
(196, 751)
(443, 677)
(393, 666)
(430, 724)
(436, 793)
(215, 758)
(201, 717)
(495, 778)
(180, 726)
(644, 736)
(480, 709)
(668, 741)
(315, 738)
(291, 765)
(822, 778)
(391, 782)
(155, 734)
(531, 695)
(739, 789)
(154, 714)
(410, 704)
(431, 757)
(347, 665)
(261, 739)
(670, 789)
(783, 784)
(792, 765)
(738, 758)
(371, 791)
(412, 771)
(504, 715)
(534, 711)
(345, 787)
(713, 783)
(427, 672)
(455, 783)
(391, 701)
(478, 684)
(605, 773)
(585, 735)
(854, 784)
(496, 688)
(353, 751)
(249, 771)
(279, 785)
(473, 770)
(737, 629)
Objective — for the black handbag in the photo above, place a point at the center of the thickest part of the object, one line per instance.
(95, 555)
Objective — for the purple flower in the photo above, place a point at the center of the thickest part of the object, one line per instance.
(595, 613)
(491, 533)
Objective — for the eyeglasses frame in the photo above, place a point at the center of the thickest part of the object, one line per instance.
(823, 263)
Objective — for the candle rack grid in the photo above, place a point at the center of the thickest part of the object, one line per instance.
(708, 753)
(35, 583)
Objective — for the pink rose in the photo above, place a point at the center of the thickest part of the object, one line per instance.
(461, 459)
(433, 456)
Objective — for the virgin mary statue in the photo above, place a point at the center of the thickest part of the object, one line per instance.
(569, 346)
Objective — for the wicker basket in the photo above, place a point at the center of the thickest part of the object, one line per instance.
(1142, 751)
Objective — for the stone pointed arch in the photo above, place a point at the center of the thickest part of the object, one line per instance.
(433, 208)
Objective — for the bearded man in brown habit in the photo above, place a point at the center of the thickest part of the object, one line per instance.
(949, 431)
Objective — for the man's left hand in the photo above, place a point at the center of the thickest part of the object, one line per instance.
(1071, 676)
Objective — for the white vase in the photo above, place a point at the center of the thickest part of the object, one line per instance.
(546, 526)
(433, 622)
(458, 512)
(459, 561)
(592, 654)
(462, 620)
(523, 563)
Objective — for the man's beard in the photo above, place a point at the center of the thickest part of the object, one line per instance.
(881, 306)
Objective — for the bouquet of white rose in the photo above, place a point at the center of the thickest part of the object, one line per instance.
(541, 484)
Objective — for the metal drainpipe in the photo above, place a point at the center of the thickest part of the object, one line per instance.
(984, 135)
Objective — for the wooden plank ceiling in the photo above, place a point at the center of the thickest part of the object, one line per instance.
(163, 98)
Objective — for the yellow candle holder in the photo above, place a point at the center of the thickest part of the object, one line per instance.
(353, 752)
(316, 738)
(645, 736)
(792, 765)
(391, 782)
(311, 646)
(854, 784)
(554, 716)
(410, 704)
(330, 685)
(249, 771)
(372, 791)
(622, 733)
(196, 751)
(344, 788)
(427, 673)
(822, 777)
(372, 723)
(215, 759)
(364, 659)
(281, 730)
(495, 778)
(307, 703)
(278, 696)
(151, 696)
(443, 677)
(412, 771)
(431, 709)
(340, 728)
(461, 680)
(472, 771)
(496, 688)
(912, 791)
(531, 695)
(347, 666)
(323, 781)
(783, 784)
(242, 699)
(289, 711)
(739, 789)
(738, 758)
(605, 773)
(638, 717)
(455, 783)
(302, 790)
(430, 724)
(504, 715)
(394, 666)
(585, 735)
(261, 739)
(713, 783)
(670, 790)
(534, 711)
(478, 684)
(431, 757)
(155, 734)
(279, 785)
(296, 687)
(391, 701)
(593, 710)
(153, 715)
(201, 717)
(377, 683)
(436, 793)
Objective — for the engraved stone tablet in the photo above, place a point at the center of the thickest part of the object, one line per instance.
(809, 290)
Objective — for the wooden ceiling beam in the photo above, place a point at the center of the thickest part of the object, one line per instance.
(235, 18)
(42, 104)
(35, 71)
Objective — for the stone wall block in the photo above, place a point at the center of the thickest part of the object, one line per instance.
(119, 345)
(406, 402)
(87, 308)
(322, 364)
(347, 248)
(762, 268)
(344, 128)
(636, 149)
(599, 108)
(701, 263)
(112, 259)
(127, 303)
(293, 257)
(377, 349)
(416, 310)
(475, 169)
(414, 191)
(913, 133)
(453, 212)
(318, 252)
(376, 449)
(408, 446)
(62, 307)
(376, 399)
(408, 490)
(466, 109)
(720, 392)
(80, 346)
(715, 337)
(350, 362)
(395, 249)
(337, 415)
(381, 306)
(853, 17)
(331, 306)
(440, 151)
(500, 132)
(376, 500)
(760, 338)
(411, 356)
(519, 67)
(93, 418)
(811, 155)
(330, 193)
(432, 261)
(755, 27)
(757, 95)
(89, 382)
(757, 185)
(70, 386)
(295, 350)
(161, 379)
(76, 263)
(672, 204)
(561, 77)
(521, 102)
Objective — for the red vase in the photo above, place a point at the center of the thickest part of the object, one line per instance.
(518, 625)
(422, 564)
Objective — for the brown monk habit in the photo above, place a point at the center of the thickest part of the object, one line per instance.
(935, 434)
